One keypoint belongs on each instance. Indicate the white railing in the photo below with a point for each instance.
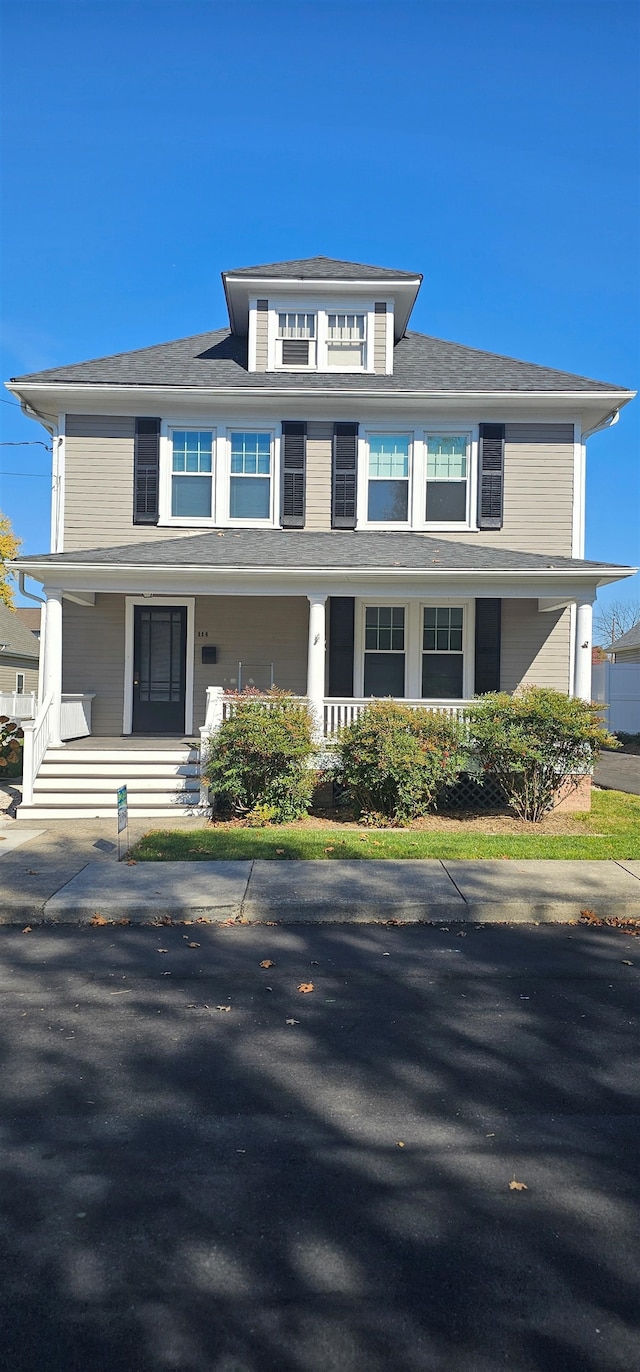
(339, 712)
(37, 737)
(18, 704)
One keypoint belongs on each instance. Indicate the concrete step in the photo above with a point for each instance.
(72, 810)
(107, 799)
(122, 756)
(115, 775)
(109, 785)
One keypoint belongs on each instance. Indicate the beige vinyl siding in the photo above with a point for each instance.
(535, 649)
(318, 495)
(250, 629)
(93, 658)
(98, 485)
(8, 672)
(380, 343)
(538, 491)
(262, 340)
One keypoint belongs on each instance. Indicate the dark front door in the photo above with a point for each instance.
(159, 660)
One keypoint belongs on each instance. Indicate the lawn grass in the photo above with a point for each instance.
(610, 830)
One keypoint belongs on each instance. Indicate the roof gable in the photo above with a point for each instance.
(19, 639)
(322, 269)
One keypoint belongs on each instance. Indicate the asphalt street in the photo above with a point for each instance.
(206, 1169)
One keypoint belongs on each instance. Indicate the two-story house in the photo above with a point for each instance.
(314, 497)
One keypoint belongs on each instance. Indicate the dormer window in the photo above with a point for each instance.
(345, 341)
(296, 341)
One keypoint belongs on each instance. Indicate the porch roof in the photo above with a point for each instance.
(292, 550)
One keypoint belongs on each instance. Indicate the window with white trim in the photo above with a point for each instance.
(442, 652)
(20, 680)
(447, 478)
(191, 473)
(250, 476)
(296, 339)
(388, 479)
(384, 650)
(345, 341)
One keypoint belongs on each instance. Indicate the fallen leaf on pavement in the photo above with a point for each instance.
(462, 933)
(97, 920)
(163, 950)
(306, 986)
(223, 1007)
(267, 963)
(193, 945)
(517, 1185)
(131, 862)
(626, 963)
(271, 923)
(27, 929)
(399, 1144)
(31, 873)
(292, 1021)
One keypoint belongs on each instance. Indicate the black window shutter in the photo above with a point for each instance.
(294, 454)
(146, 471)
(488, 622)
(341, 628)
(345, 476)
(491, 476)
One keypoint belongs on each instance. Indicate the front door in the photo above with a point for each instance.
(159, 663)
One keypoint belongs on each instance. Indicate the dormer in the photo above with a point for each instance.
(320, 315)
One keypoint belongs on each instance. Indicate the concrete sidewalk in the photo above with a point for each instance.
(67, 874)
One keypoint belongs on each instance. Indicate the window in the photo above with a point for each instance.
(296, 339)
(345, 341)
(384, 659)
(447, 469)
(442, 652)
(192, 465)
(250, 480)
(388, 493)
(20, 683)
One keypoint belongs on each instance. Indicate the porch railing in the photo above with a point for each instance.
(37, 737)
(337, 710)
(18, 704)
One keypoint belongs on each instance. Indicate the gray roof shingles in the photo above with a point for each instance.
(218, 361)
(323, 269)
(629, 640)
(271, 548)
(19, 639)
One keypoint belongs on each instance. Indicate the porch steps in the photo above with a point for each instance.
(81, 783)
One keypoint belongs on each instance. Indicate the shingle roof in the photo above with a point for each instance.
(20, 640)
(298, 549)
(218, 360)
(629, 640)
(29, 617)
(323, 269)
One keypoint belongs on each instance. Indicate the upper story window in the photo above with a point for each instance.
(250, 476)
(296, 341)
(191, 479)
(447, 471)
(388, 479)
(345, 341)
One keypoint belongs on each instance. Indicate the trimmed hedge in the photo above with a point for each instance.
(258, 764)
(395, 760)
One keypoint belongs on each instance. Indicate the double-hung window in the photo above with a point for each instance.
(442, 652)
(388, 479)
(191, 473)
(447, 478)
(384, 650)
(20, 678)
(250, 476)
(345, 341)
(296, 340)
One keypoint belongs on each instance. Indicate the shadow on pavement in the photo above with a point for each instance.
(208, 1190)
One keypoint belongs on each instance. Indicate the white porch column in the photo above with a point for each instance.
(52, 683)
(584, 631)
(316, 661)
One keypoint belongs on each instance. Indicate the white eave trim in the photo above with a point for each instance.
(51, 569)
(237, 393)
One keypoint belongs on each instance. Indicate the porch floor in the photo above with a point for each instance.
(133, 741)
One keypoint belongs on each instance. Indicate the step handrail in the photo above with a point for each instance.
(37, 737)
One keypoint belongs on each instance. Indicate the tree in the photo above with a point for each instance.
(9, 545)
(613, 619)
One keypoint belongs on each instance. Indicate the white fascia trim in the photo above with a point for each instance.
(237, 394)
(130, 601)
(54, 574)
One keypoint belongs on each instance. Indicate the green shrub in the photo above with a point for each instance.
(258, 762)
(533, 741)
(11, 737)
(394, 760)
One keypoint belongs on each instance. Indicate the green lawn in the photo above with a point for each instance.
(611, 830)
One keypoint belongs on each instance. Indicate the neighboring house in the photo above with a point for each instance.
(316, 498)
(19, 651)
(30, 618)
(626, 649)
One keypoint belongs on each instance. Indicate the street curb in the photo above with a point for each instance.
(476, 912)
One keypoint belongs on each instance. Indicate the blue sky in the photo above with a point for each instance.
(150, 145)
